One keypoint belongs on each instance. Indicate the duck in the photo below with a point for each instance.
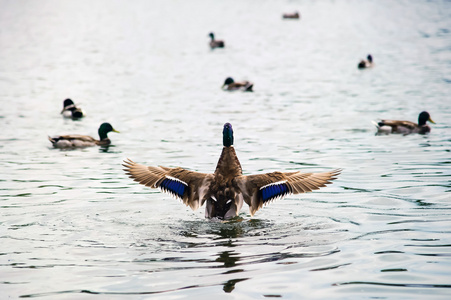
(366, 63)
(294, 15)
(225, 191)
(231, 85)
(70, 110)
(81, 141)
(405, 127)
(215, 43)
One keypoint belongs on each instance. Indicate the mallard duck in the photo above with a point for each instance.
(366, 63)
(231, 85)
(70, 110)
(405, 127)
(80, 141)
(215, 43)
(294, 15)
(227, 188)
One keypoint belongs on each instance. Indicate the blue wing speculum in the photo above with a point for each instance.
(174, 186)
(274, 190)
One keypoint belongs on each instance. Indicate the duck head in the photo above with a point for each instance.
(229, 80)
(227, 135)
(104, 129)
(68, 104)
(370, 58)
(211, 34)
(423, 118)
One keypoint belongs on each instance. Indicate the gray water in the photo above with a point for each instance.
(74, 226)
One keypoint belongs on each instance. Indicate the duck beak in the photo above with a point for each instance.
(430, 120)
(114, 130)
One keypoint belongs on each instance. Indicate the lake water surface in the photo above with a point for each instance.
(74, 226)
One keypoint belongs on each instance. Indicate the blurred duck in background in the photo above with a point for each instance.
(294, 15)
(404, 127)
(70, 110)
(366, 63)
(231, 85)
(81, 141)
(215, 43)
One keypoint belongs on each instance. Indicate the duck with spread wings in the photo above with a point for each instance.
(227, 188)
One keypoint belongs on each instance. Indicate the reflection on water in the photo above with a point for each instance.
(229, 286)
(104, 148)
(228, 258)
(73, 224)
(237, 227)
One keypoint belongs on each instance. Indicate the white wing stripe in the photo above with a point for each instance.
(274, 183)
(176, 179)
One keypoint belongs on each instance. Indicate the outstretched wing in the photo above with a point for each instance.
(259, 190)
(190, 187)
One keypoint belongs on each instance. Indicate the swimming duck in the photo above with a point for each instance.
(227, 188)
(70, 110)
(231, 85)
(405, 127)
(294, 15)
(215, 43)
(366, 63)
(81, 141)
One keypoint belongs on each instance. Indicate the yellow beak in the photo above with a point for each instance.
(430, 120)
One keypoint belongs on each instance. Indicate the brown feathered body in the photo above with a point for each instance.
(215, 43)
(294, 15)
(77, 141)
(240, 85)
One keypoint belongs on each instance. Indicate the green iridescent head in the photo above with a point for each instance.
(104, 129)
(227, 135)
(423, 118)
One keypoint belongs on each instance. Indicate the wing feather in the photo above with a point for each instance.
(257, 190)
(84, 138)
(188, 186)
(396, 123)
